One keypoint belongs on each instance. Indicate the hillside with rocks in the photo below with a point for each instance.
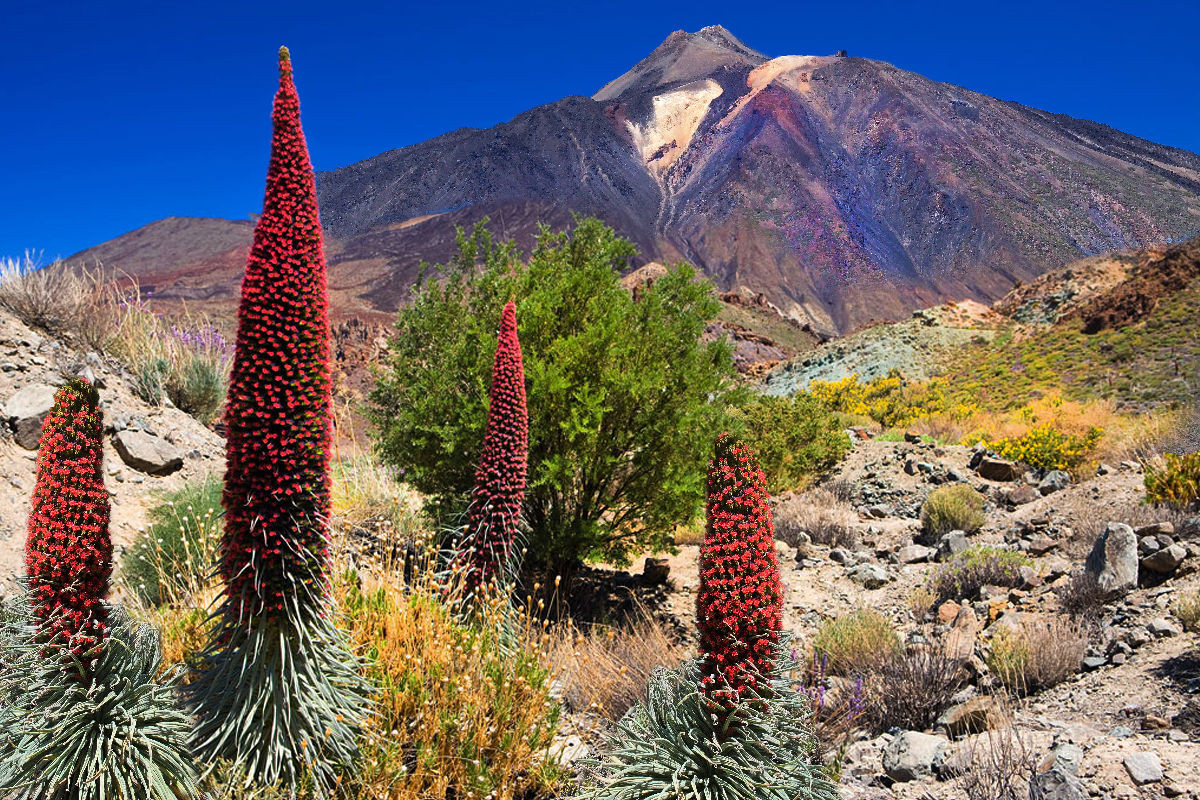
(1125, 724)
(148, 450)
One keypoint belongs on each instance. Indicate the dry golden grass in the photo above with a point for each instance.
(604, 670)
(818, 513)
(461, 710)
(1038, 655)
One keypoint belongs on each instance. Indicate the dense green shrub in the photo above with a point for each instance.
(795, 438)
(956, 507)
(624, 399)
(177, 551)
(1177, 483)
(964, 575)
(198, 388)
(858, 642)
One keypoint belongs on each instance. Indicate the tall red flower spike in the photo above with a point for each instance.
(68, 552)
(500, 480)
(277, 482)
(739, 602)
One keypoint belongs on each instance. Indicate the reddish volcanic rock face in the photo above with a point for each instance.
(844, 189)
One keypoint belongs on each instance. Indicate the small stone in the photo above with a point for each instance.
(1094, 662)
(840, 555)
(951, 545)
(655, 571)
(1147, 544)
(1041, 544)
(1156, 528)
(997, 469)
(871, 576)
(974, 716)
(1023, 495)
(1054, 481)
(1144, 767)
(914, 553)
(1150, 722)
(1162, 628)
(912, 756)
(1121, 732)
(879, 511)
(947, 611)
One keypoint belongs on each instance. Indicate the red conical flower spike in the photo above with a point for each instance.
(739, 601)
(277, 482)
(68, 552)
(500, 480)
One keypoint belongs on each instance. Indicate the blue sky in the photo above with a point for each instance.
(115, 114)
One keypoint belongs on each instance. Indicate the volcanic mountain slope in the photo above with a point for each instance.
(843, 189)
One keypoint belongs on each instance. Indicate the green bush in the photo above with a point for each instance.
(965, 574)
(624, 398)
(795, 438)
(1176, 484)
(175, 555)
(150, 380)
(198, 388)
(856, 643)
(956, 507)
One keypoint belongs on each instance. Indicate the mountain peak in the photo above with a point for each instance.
(683, 57)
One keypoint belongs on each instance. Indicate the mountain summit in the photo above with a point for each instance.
(843, 189)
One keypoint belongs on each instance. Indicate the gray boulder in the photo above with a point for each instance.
(1054, 481)
(1144, 767)
(1057, 784)
(912, 756)
(147, 453)
(1114, 559)
(25, 411)
(951, 545)
(871, 576)
(1165, 561)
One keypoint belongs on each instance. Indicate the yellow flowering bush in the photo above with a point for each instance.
(891, 400)
(1176, 484)
(1046, 447)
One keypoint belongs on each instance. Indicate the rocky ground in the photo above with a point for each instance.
(147, 449)
(1126, 725)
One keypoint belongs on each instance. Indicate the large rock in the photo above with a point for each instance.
(1144, 767)
(1114, 559)
(974, 716)
(871, 576)
(997, 469)
(1054, 481)
(147, 453)
(25, 411)
(1165, 561)
(1057, 784)
(912, 756)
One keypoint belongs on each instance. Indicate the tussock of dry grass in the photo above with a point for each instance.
(604, 670)
(57, 299)
(1038, 655)
(819, 514)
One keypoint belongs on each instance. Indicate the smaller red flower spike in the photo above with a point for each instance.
(68, 552)
(499, 489)
(739, 602)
